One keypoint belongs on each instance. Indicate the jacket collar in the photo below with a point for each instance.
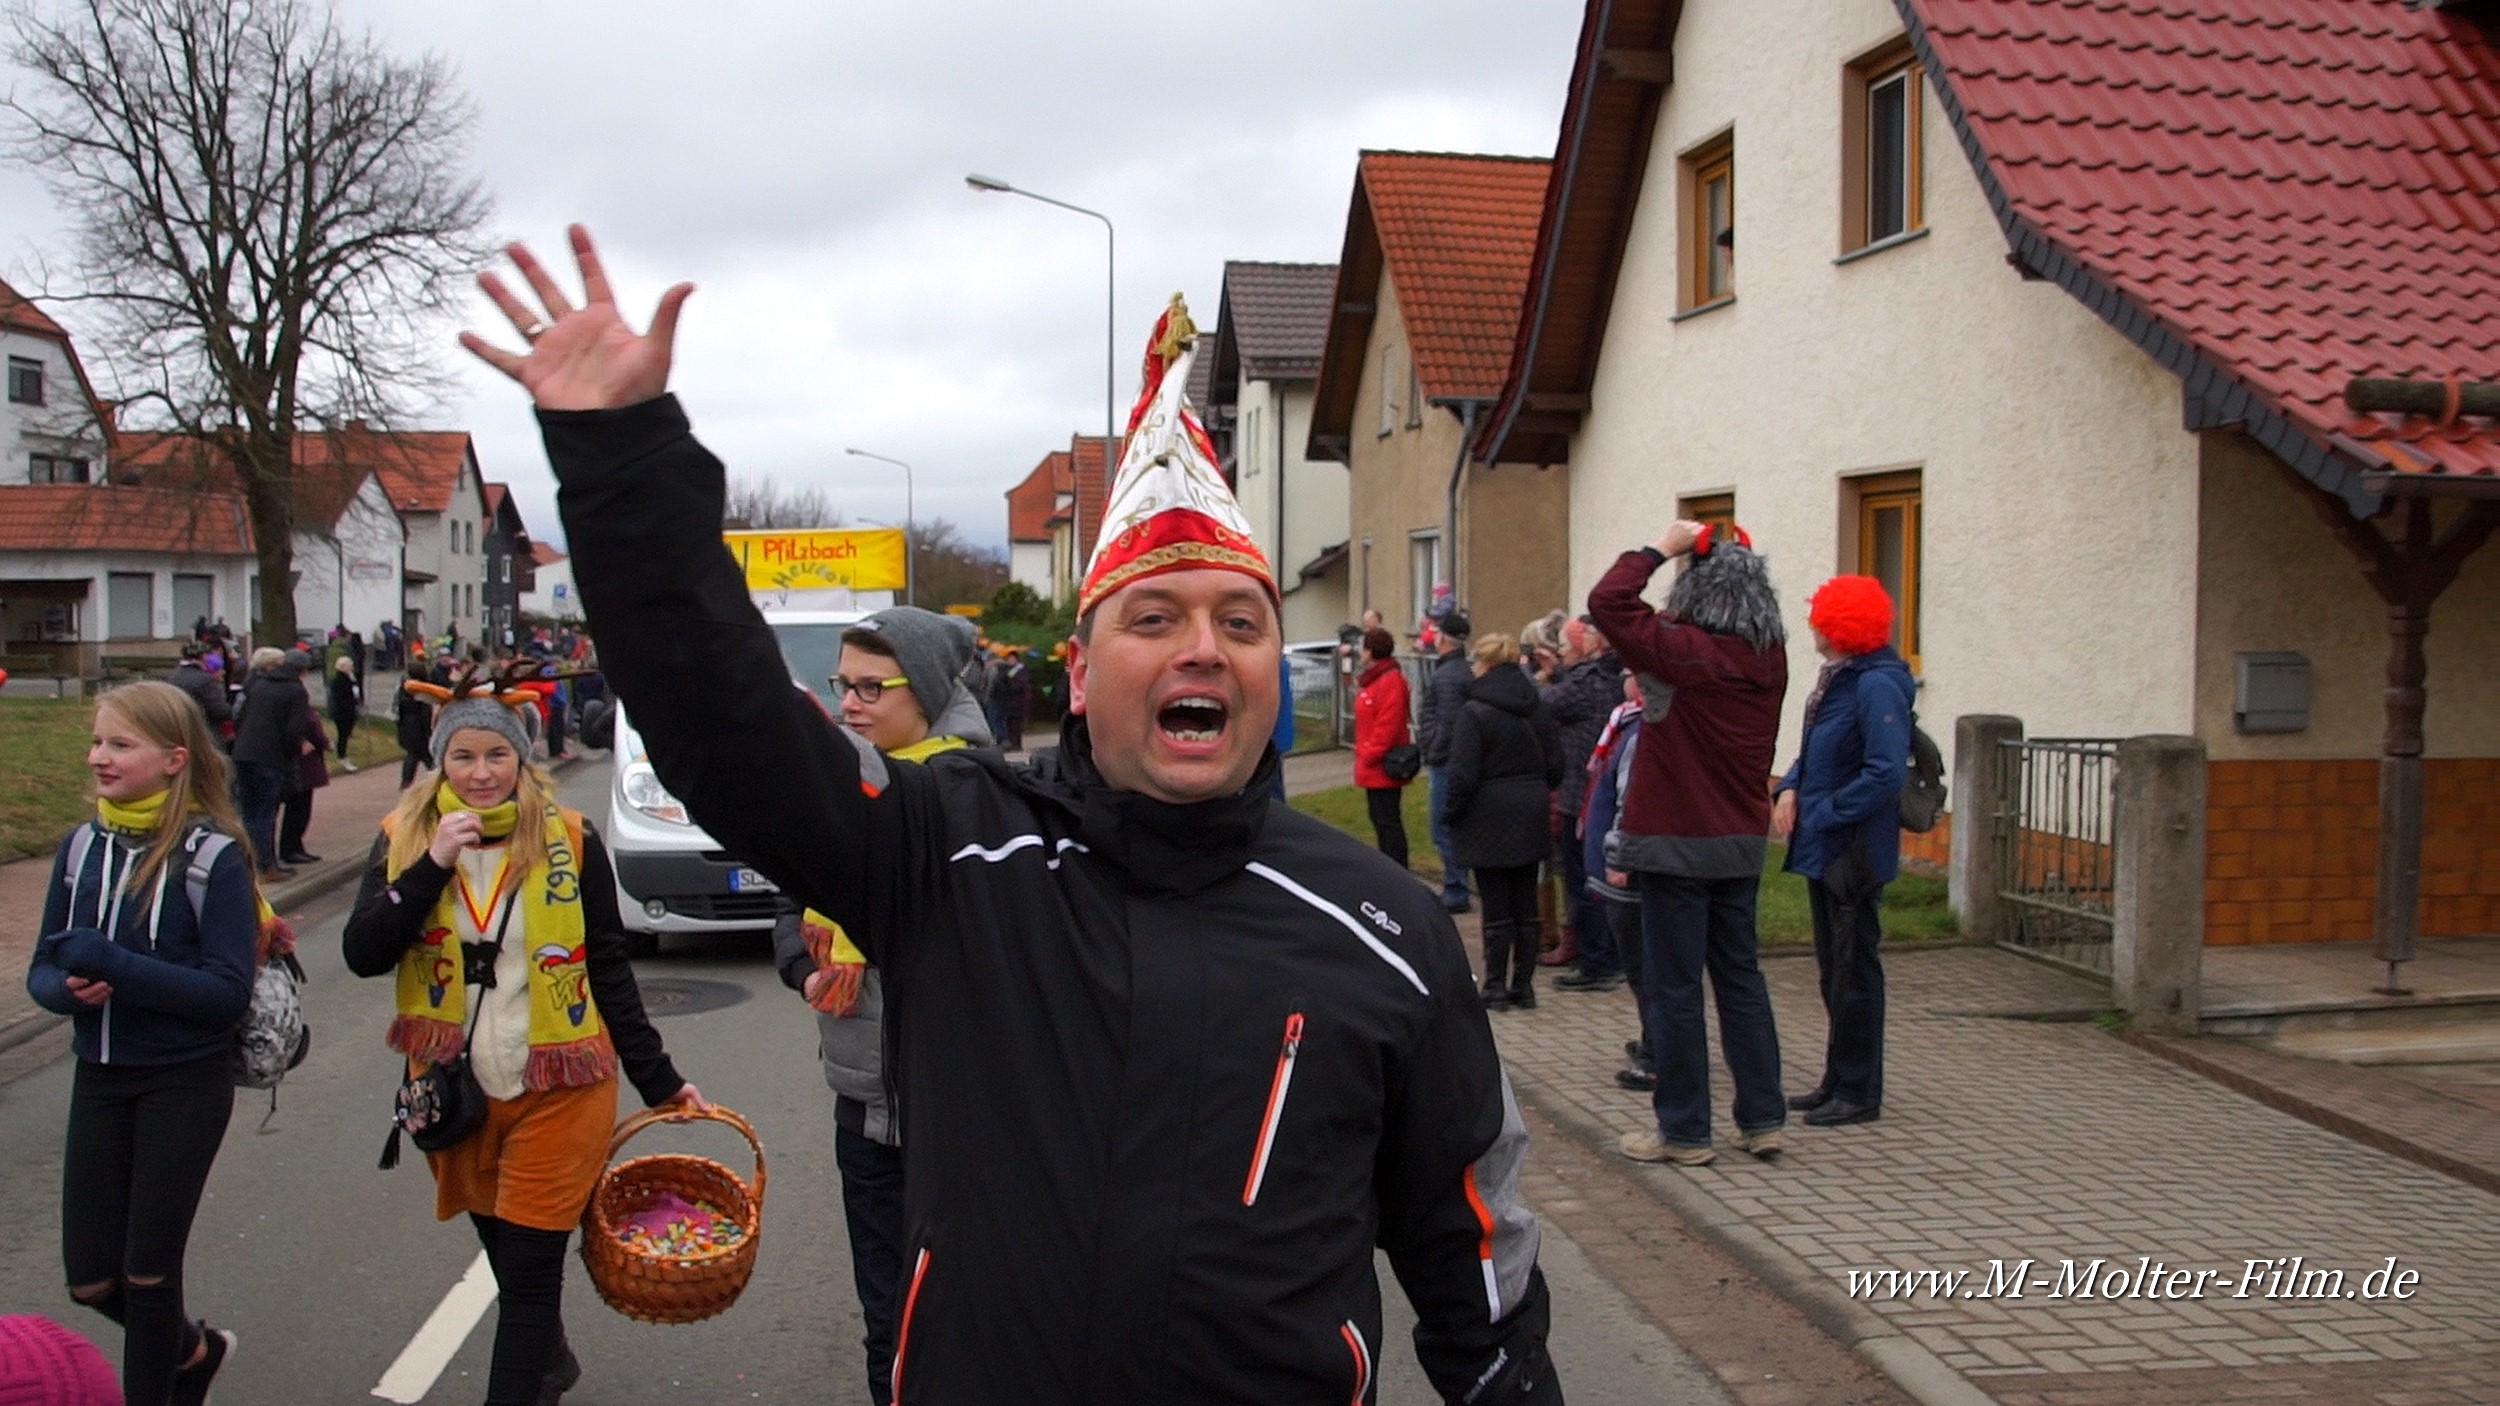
(1161, 847)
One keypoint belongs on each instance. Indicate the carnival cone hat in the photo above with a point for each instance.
(1170, 509)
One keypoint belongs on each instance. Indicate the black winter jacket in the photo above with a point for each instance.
(276, 720)
(1444, 690)
(1505, 760)
(1581, 700)
(389, 916)
(204, 687)
(1171, 1072)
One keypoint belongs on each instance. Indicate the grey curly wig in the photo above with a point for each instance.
(1729, 592)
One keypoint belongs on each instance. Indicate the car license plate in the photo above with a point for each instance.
(744, 880)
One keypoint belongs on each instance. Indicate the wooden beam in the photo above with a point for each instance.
(1355, 307)
(1652, 66)
(1562, 402)
(2421, 397)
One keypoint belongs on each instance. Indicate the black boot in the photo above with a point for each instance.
(563, 1374)
(1523, 971)
(1497, 944)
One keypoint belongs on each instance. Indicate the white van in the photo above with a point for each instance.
(670, 876)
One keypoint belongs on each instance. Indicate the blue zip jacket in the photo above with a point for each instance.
(182, 982)
(1849, 771)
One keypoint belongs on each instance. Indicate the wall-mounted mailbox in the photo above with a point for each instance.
(2272, 692)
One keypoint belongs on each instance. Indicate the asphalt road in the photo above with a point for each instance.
(329, 1268)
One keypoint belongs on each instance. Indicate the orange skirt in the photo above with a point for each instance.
(535, 1160)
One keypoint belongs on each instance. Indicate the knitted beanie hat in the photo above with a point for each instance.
(931, 649)
(478, 711)
(45, 1364)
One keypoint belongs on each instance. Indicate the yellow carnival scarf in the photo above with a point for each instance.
(828, 944)
(569, 1046)
(138, 819)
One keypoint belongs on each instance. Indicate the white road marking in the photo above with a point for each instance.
(431, 1350)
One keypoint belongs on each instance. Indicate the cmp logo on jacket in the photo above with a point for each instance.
(568, 976)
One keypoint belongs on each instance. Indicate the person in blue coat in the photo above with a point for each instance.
(1839, 809)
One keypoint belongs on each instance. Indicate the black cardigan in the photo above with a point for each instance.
(390, 916)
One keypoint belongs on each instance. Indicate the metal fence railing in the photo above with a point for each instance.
(2057, 831)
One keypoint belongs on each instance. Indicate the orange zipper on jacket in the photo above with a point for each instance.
(902, 1329)
(1276, 1091)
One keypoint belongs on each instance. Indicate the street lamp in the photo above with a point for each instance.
(911, 594)
(992, 185)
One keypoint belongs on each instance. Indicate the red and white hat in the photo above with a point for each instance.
(1170, 509)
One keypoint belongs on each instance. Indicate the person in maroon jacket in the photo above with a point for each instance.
(1693, 830)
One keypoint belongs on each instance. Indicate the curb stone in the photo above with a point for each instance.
(1906, 1362)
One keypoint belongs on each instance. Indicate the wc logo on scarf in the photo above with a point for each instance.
(568, 977)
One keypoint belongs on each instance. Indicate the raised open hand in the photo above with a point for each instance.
(582, 358)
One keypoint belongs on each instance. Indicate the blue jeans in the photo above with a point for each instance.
(1453, 876)
(1590, 934)
(259, 789)
(1848, 948)
(1688, 926)
(872, 1208)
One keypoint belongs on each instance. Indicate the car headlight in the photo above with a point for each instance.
(644, 793)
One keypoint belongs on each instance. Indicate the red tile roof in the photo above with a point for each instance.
(1032, 503)
(2269, 199)
(1457, 233)
(18, 313)
(324, 486)
(545, 553)
(78, 517)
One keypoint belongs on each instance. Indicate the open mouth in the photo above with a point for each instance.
(1192, 720)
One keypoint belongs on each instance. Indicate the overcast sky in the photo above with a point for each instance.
(803, 165)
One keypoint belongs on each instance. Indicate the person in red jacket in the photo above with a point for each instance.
(1381, 709)
(1693, 831)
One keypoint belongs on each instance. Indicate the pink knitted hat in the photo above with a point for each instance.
(45, 1364)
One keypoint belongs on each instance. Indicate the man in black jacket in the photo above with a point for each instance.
(1445, 692)
(273, 726)
(1581, 700)
(1173, 1058)
(194, 678)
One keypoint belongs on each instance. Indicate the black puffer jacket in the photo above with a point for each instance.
(205, 688)
(1505, 760)
(276, 719)
(1445, 688)
(1581, 700)
(1171, 1072)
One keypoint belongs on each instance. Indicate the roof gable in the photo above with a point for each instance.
(325, 487)
(1454, 234)
(1271, 326)
(78, 517)
(19, 314)
(1032, 503)
(2270, 202)
(1619, 79)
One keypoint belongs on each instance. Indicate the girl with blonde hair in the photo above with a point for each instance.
(152, 932)
(495, 908)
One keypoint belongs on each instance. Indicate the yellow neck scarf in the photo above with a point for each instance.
(569, 1045)
(139, 817)
(828, 944)
(495, 821)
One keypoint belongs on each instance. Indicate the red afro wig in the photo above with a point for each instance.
(1853, 612)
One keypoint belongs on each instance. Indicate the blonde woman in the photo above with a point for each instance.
(152, 929)
(496, 910)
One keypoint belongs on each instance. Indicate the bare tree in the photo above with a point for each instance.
(952, 571)
(270, 215)
(768, 505)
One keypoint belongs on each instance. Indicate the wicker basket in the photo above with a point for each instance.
(671, 1289)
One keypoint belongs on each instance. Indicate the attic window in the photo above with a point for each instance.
(25, 381)
(55, 468)
(1710, 223)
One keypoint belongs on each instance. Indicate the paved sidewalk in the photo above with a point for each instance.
(2016, 1129)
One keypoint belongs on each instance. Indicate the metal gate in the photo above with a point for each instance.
(2057, 831)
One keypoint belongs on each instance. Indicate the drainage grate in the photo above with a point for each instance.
(667, 996)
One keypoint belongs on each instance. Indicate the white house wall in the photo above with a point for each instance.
(1028, 564)
(370, 540)
(64, 424)
(229, 588)
(1298, 507)
(554, 596)
(2060, 494)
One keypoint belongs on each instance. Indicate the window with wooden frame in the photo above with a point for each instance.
(1388, 389)
(1881, 150)
(1716, 511)
(1888, 537)
(1710, 223)
(1414, 395)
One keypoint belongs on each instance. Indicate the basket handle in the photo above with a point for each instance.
(678, 1113)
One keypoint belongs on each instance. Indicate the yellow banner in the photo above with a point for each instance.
(866, 560)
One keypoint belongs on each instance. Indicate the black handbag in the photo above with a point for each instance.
(443, 1105)
(1400, 763)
